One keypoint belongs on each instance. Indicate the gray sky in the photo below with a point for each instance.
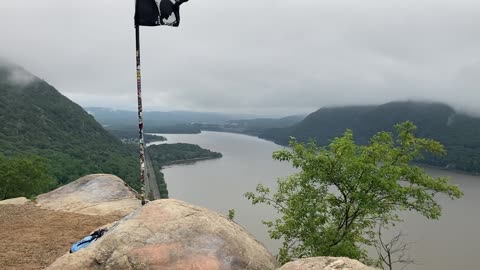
(252, 56)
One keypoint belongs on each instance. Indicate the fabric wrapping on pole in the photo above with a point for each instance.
(140, 115)
(158, 12)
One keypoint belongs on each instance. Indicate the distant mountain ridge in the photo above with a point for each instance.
(257, 126)
(123, 123)
(460, 133)
(124, 118)
(35, 119)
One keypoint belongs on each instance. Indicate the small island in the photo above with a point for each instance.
(168, 154)
(130, 136)
(153, 138)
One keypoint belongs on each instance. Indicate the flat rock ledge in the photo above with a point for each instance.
(172, 235)
(325, 263)
(15, 201)
(96, 194)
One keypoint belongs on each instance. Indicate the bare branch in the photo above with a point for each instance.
(393, 251)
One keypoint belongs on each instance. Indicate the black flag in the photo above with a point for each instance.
(158, 12)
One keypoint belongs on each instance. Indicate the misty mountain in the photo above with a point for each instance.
(35, 119)
(121, 118)
(259, 125)
(459, 133)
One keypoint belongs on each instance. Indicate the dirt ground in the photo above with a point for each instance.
(32, 238)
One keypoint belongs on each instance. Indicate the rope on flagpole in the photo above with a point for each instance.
(140, 115)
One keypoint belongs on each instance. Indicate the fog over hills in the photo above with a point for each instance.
(108, 116)
(290, 59)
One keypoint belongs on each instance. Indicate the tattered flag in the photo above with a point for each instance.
(158, 12)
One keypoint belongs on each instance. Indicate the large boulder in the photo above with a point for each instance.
(172, 235)
(96, 194)
(325, 263)
(15, 201)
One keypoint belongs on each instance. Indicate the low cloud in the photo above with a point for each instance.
(267, 57)
(21, 77)
(17, 75)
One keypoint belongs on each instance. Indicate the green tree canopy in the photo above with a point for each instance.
(332, 206)
(23, 177)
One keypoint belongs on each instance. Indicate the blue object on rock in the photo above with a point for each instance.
(85, 242)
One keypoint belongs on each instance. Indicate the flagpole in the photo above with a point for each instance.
(140, 115)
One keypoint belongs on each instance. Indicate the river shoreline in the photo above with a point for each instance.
(424, 165)
(187, 161)
(415, 163)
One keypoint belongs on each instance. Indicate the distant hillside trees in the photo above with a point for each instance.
(23, 177)
(459, 133)
(344, 191)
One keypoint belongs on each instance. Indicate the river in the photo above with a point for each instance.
(446, 244)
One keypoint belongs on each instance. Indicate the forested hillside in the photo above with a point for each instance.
(459, 132)
(35, 119)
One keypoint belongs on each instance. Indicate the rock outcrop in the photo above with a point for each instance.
(168, 235)
(325, 263)
(164, 234)
(15, 201)
(96, 194)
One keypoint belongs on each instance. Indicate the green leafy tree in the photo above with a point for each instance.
(231, 214)
(23, 177)
(334, 204)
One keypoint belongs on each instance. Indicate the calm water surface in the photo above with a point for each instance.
(449, 243)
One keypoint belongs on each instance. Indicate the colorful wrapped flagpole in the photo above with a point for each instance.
(151, 13)
(140, 115)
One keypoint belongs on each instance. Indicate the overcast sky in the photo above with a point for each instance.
(253, 56)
